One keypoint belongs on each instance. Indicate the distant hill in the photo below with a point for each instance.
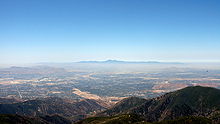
(107, 61)
(190, 101)
(127, 62)
(51, 106)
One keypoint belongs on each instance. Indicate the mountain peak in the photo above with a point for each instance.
(127, 62)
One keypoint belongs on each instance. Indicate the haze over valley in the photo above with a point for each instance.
(109, 62)
(109, 82)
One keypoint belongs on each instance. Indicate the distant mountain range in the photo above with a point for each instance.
(191, 105)
(128, 62)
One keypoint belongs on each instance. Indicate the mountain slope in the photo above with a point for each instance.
(196, 101)
(119, 119)
(134, 119)
(51, 106)
(18, 119)
(187, 120)
(199, 101)
(9, 100)
(123, 106)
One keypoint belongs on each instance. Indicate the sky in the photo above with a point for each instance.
(33, 31)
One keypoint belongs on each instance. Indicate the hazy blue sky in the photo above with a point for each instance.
(74, 30)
